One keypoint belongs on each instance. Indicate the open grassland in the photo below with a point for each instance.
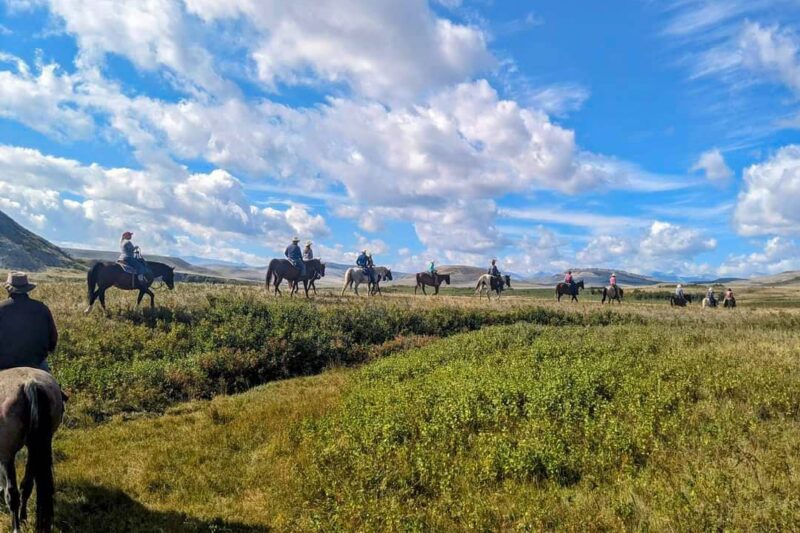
(461, 415)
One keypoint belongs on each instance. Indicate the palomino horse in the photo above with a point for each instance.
(612, 293)
(280, 269)
(32, 409)
(105, 274)
(678, 302)
(355, 276)
(425, 278)
(564, 288)
(490, 283)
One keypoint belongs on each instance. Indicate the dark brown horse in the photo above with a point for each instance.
(103, 275)
(564, 288)
(678, 302)
(425, 278)
(32, 409)
(280, 269)
(612, 293)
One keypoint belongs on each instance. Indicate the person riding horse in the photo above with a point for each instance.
(712, 300)
(730, 299)
(28, 332)
(679, 296)
(295, 256)
(433, 272)
(131, 257)
(308, 253)
(569, 280)
(493, 271)
(613, 283)
(366, 264)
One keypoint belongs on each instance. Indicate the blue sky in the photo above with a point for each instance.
(655, 137)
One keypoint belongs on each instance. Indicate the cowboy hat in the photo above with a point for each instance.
(127, 234)
(295, 239)
(17, 283)
(309, 243)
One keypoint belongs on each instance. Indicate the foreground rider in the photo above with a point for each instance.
(493, 270)
(28, 332)
(130, 255)
(308, 253)
(613, 282)
(568, 279)
(295, 256)
(729, 297)
(679, 293)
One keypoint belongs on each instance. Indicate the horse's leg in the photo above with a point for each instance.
(102, 297)
(355, 287)
(12, 493)
(152, 298)
(423, 289)
(139, 299)
(27, 488)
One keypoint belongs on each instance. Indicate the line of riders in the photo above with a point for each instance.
(132, 262)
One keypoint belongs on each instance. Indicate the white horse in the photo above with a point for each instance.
(707, 303)
(355, 276)
(489, 283)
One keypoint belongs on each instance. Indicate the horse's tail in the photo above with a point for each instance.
(270, 274)
(480, 280)
(348, 279)
(40, 453)
(91, 279)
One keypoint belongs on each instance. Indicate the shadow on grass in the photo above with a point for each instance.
(84, 507)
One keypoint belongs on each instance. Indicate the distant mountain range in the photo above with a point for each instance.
(24, 250)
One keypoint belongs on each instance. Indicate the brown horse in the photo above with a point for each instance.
(103, 275)
(611, 295)
(425, 278)
(564, 288)
(32, 409)
(280, 269)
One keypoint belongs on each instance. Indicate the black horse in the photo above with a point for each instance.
(611, 297)
(564, 288)
(678, 302)
(425, 278)
(103, 275)
(280, 269)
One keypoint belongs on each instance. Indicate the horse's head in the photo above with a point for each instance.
(445, 277)
(507, 279)
(580, 285)
(169, 278)
(388, 275)
(321, 269)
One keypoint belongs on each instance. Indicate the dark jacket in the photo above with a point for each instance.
(27, 332)
(294, 254)
(494, 271)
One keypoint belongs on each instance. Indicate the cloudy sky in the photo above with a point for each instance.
(656, 137)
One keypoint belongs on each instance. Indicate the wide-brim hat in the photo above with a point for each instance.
(17, 283)
(309, 243)
(295, 239)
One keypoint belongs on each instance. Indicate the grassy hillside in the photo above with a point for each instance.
(661, 422)
(21, 249)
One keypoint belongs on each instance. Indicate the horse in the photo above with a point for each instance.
(564, 288)
(307, 283)
(353, 277)
(618, 294)
(426, 278)
(490, 283)
(675, 301)
(32, 409)
(709, 303)
(280, 269)
(729, 302)
(381, 274)
(103, 275)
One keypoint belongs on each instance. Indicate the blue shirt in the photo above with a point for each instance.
(294, 253)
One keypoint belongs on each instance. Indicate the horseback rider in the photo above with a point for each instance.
(131, 256)
(28, 332)
(730, 300)
(613, 282)
(494, 272)
(364, 262)
(710, 295)
(679, 293)
(295, 256)
(568, 279)
(308, 253)
(433, 272)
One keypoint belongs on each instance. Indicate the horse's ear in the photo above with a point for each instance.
(172, 268)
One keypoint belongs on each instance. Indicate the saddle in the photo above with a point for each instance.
(127, 268)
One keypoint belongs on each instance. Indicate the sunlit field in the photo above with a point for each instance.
(229, 410)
